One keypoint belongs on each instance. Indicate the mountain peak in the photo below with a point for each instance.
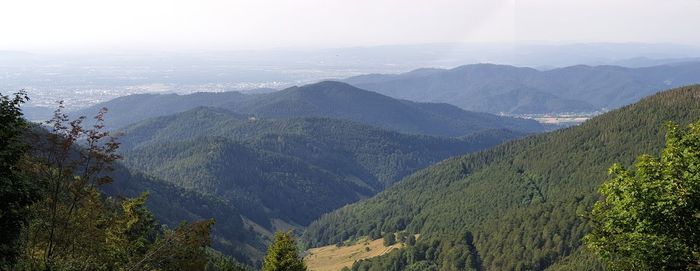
(331, 86)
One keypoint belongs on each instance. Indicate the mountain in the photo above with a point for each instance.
(638, 62)
(515, 90)
(516, 206)
(134, 108)
(171, 205)
(282, 173)
(324, 100)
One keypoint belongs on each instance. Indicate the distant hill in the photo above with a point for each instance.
(516, 206)
(134, 108)
(325, 100)
(639, 62)
(515, 90)
(280, 173)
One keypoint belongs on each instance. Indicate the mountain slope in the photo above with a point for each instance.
(325, 100)
(281, 173)
(171, 205)
(342, 101)
(514, 206)
(515, 90)
(134, 108)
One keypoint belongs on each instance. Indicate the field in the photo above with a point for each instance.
(333, 258)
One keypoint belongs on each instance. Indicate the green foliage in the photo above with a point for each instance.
(283, 255)
(289, 169)
(447, 255)
(131, 234)
(521, 200)
(70, 223)
(649, 216)
(16, 190)
(184, 248)
(411, 240)
(221, 262)
(389, 239)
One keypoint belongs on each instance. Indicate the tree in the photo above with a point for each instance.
(649, 217)
(184, 248)
(16, 192)
(411, 240)
(282, 255)
(221, 262)
(389, 239)
(74, 226)
(130, 235)
(67, 230)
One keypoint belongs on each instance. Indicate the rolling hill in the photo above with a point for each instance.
(323, 100)
(515, 90)
(516, 206)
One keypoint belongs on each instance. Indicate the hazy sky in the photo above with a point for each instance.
(233, 24)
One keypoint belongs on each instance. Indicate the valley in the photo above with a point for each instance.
(335, 164)
(359, 135)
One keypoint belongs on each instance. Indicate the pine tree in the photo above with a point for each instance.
(389, 239)
(282, 255)
(411, 240)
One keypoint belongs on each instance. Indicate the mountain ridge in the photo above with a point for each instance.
(325, 99)
(582, 88)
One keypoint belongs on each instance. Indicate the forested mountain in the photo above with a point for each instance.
(288, 170)
(172, 205)
(515, 90)
(325, 100)
(68, 206)
(516, 206)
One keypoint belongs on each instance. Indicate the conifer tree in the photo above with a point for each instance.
(389, 239)
(282, 255)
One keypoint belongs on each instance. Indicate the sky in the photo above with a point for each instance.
(27, 25)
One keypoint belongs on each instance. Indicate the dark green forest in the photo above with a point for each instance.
(518, 206)
(288, 169)
(206, 188)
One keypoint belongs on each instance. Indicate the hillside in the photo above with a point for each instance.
(515, 206)
(280, 173)
(171, 205)
(323, 100)
(334, 258)
(515, 90)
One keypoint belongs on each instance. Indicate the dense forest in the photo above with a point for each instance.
(518, 206)
(288, 170)
(205, 189)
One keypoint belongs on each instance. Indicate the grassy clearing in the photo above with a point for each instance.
(334, 258)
